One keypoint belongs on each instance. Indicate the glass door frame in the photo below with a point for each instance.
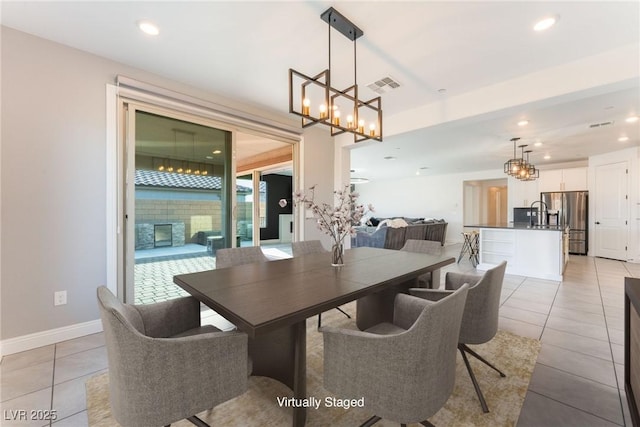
(126, 244)
(256, 175)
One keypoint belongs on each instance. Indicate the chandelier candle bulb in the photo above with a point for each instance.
(336, 117)
(305, 106)
(349, 121)
(361, 126)
(372, 129)
(323, 111)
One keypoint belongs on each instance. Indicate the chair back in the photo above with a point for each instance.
(436, 333)
(422, 246)
(307, 247)
(229, 257)
(480, 320)
(416, 376)
(123, 331)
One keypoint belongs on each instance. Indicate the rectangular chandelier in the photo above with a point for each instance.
(316, 101)
(520, 168)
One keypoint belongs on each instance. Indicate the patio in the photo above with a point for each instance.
(154, 268)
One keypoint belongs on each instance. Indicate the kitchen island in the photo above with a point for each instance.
(534, 251)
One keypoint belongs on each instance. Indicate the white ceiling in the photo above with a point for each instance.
(243, 50)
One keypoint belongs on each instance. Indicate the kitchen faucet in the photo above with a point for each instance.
(543, 213)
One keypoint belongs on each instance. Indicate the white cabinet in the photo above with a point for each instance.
(528, 252)
(521, 193)
(497, 245)
(572, 179)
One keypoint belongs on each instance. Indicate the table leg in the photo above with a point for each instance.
(300, 372)
(282, 355)
(378, 307)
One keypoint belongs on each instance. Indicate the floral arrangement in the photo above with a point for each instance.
(337, 220)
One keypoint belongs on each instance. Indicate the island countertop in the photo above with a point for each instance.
(517, 226)
(539, 252)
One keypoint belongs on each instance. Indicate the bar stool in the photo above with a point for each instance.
(470, 246)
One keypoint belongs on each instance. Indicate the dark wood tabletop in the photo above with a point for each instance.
(261, 297)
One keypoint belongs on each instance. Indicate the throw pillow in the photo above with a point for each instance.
(397, 223)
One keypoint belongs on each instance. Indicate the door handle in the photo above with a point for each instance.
(597, 222)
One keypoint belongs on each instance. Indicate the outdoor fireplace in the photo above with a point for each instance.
(162, 235)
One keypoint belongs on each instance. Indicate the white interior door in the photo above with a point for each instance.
(611, 210)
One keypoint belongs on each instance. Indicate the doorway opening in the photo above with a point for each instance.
(264, 172)
(485, 202)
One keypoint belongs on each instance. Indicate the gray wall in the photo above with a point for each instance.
(52, 178)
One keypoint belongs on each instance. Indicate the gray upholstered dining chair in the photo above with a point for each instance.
(229, 257)
(307, 247)
(312, 247)
(480, 320)
(405, 370)
(164, 366)
(429, 280)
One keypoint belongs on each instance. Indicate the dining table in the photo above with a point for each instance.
(270, 301)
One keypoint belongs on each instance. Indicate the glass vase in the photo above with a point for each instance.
(337, 254)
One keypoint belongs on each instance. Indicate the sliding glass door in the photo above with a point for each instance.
(179, 194)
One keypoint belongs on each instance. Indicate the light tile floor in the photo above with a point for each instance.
(577, 380)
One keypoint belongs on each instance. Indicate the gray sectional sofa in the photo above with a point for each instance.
(395, 238)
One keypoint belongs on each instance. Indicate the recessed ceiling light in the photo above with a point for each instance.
(389, 158)
(623, 139)
(631, 119)
(148, 27)
(217, 151)
(523, 122)
(209, 157)
(538, 144)
(546, 157)
(545, 23)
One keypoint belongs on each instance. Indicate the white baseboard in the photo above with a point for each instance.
(52, 336)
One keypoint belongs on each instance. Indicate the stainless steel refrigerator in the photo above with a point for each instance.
(570, 208)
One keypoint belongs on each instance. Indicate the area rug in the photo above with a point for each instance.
(514, 355)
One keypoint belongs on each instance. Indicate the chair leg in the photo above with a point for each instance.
(371, 421)
(343, 312)
(485, 408)
(197, 421)
(482, 359)
(426, 423)
(319, 320)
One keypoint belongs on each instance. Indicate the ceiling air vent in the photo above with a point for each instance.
(599, 125)
(384, 85)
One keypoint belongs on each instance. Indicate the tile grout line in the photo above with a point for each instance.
(53, 380)
(549, 313)
(609, 336)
